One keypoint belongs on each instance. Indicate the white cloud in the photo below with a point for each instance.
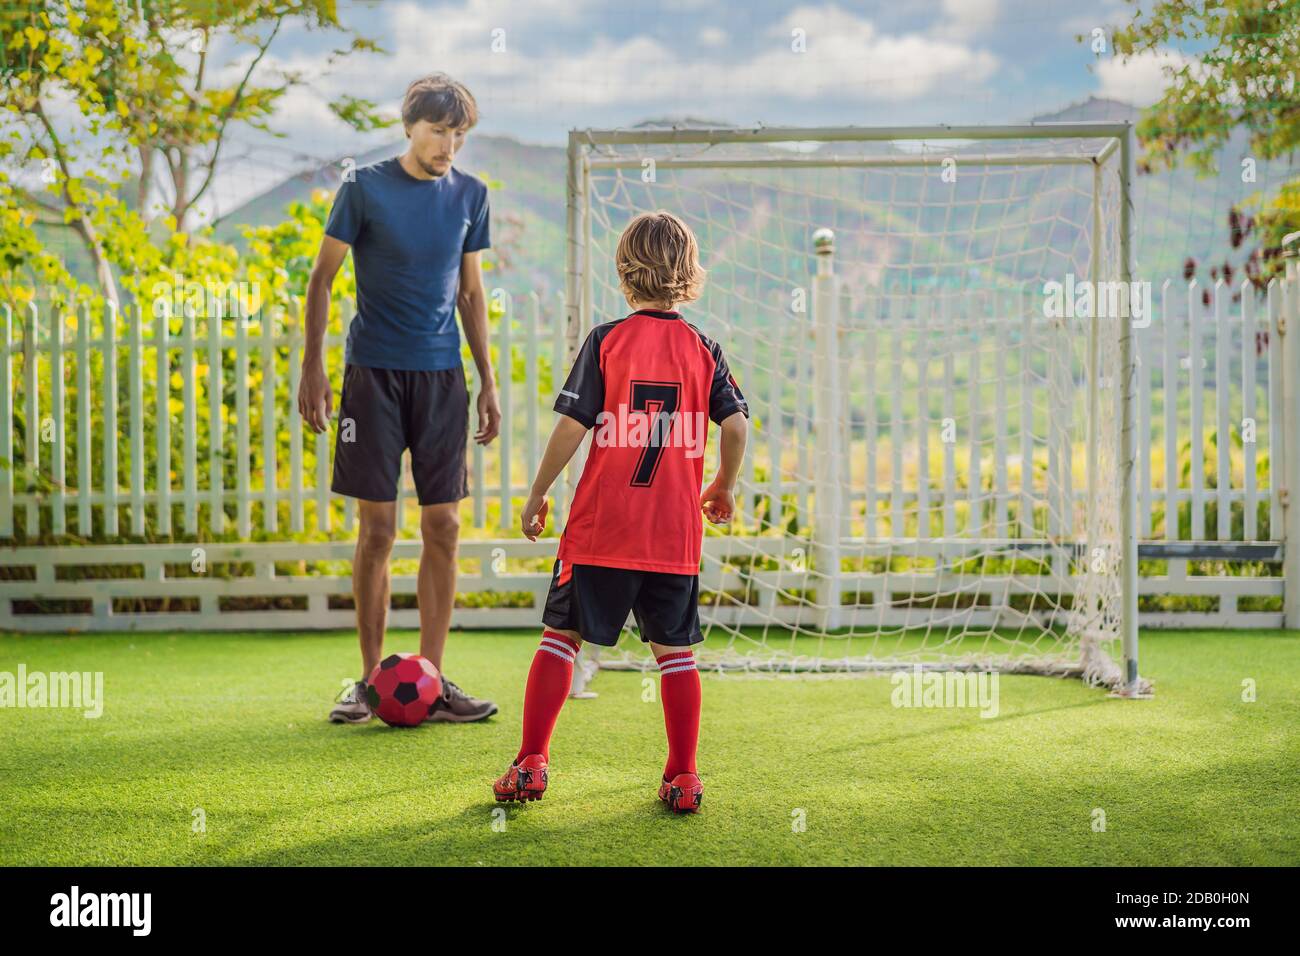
(847, 57)
(485, 14)
(713, 36)
(962, 19)
(556, 68)
(1139, 80)
(1104, 15)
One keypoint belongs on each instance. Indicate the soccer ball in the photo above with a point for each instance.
(402, 689)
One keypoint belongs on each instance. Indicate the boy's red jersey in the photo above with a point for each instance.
(648, 385)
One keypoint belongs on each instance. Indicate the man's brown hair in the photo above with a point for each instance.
(439, 99)
(658, 259)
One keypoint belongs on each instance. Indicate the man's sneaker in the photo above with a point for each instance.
(683, 794)
(350, 706)
(525, 780)
(458, 707)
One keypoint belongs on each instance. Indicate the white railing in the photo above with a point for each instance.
(263, 474)
(227, 466)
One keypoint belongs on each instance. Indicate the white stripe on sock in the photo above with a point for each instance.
(672, 662)
(676, 667)
(560, 654)
(557, 643)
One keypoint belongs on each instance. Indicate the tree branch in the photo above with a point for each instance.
(230, 109)
(82, 224)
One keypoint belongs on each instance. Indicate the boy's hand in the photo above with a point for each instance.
(718, 504)
(533, 520)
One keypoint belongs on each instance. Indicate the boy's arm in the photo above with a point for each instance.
(718, 502)
(579, 403)
(727, 407)
(564, 441)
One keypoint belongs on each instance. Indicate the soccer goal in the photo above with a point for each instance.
(933, 329)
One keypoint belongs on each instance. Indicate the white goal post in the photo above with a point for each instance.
(941, 470)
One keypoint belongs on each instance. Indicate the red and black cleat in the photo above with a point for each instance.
(525, 780)
(683, 794)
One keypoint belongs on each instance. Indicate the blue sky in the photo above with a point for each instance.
(566, 63)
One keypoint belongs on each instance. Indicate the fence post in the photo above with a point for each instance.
(1288, 326)
(110, 419)
(135, 385)
(827, 436)
(6, 423)
(505, 389)
(32, 404)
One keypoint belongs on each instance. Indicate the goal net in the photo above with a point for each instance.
(929, 328)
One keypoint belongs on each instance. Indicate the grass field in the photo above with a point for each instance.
(234, 725)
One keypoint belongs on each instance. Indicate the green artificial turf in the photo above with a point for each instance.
(234, 725)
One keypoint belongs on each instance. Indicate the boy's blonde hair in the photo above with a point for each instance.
(658, 259)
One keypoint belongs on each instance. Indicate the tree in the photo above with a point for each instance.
(179, 118)
(145, 109)
(1243, 77)
(59, 56)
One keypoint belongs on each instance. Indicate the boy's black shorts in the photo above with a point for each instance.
(594, 601)
(384, 411)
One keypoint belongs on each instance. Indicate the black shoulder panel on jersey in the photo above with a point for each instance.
(583, 394)
(725, 397)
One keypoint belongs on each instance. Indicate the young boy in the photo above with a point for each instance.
(648, 384)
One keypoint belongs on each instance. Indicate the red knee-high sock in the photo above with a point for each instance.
(679, 686)
(549, 680)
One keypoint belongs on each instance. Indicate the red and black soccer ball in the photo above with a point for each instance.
(402, 689)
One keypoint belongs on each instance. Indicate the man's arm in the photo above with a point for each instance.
(315, 398)
(717, 501)
(471, 302)
(564, 441)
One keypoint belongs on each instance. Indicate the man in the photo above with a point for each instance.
(416, 228)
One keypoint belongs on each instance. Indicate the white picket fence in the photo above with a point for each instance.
(274, 490)
(108, 519)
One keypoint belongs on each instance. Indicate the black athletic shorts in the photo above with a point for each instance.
(594, 601)
(383, 412)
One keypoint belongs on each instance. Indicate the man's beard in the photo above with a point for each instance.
(431, 169)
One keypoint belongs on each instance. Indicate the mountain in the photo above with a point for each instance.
(1182, 215)
(527, 208)
(1178, 214)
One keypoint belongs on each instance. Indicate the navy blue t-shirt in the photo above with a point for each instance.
(407, 236)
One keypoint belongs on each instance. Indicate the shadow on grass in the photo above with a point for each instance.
(488, 833)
